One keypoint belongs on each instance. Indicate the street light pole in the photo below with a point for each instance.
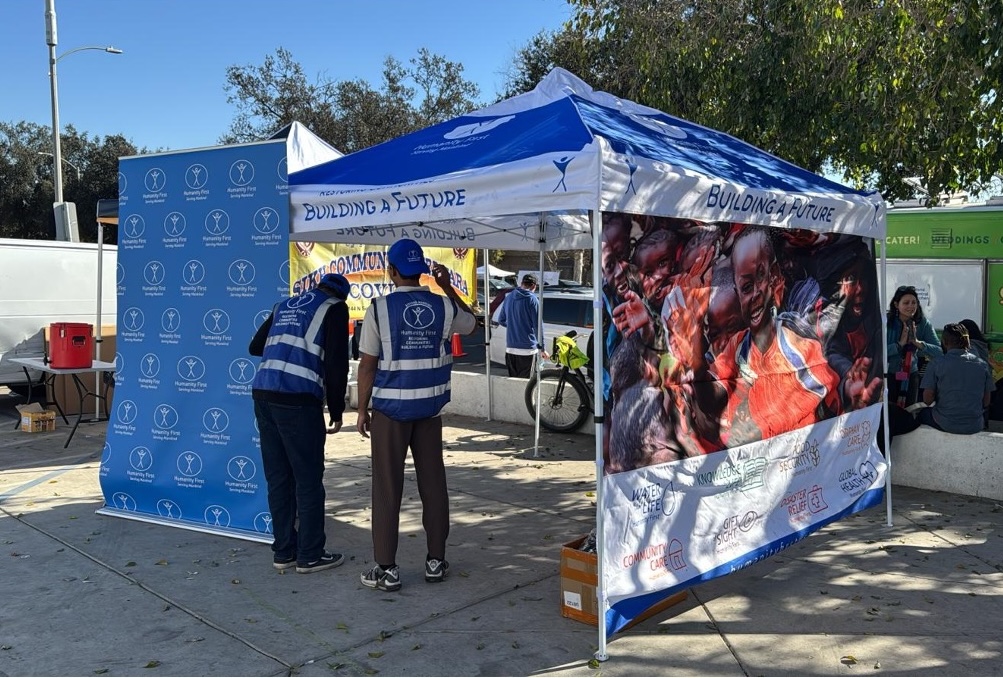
(77, 169)
(51, 39)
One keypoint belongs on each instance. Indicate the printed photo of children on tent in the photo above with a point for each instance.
(721, 334)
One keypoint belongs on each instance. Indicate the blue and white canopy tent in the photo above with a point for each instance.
(536, 172)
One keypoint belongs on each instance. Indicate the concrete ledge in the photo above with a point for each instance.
(470, 398)
(962, 464)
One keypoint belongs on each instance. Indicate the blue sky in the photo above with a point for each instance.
(166, 89)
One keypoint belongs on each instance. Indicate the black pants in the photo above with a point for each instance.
(519, 365)
(899, 422)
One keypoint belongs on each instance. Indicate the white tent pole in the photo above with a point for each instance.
(538, 359)
(884, 409)
(598, 348)
(486, 254)
(97, 327)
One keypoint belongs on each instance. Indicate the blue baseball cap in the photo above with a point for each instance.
(408, 258)
(338, 283)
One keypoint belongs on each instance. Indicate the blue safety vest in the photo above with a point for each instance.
(412, 375)
(292, 360)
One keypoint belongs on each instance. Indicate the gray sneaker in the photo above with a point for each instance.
(436, 570)
(384, 580)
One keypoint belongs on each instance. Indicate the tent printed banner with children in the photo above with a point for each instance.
(548, 170)
(744, 372)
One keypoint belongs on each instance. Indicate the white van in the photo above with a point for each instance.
(44, 282)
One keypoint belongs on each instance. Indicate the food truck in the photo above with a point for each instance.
(954, 257)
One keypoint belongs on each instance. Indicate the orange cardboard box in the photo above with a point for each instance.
(579, 584)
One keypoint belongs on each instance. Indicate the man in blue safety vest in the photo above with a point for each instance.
(405, 365)
(304, 349)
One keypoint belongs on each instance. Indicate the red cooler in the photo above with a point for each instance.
(71, 345)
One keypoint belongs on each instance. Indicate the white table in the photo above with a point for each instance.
(49, 374)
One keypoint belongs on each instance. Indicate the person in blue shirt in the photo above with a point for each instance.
(910, 336)
(520, 316)
(957, 386)
(304, 349)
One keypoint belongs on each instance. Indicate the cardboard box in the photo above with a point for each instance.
(35, 419)
(579, 583)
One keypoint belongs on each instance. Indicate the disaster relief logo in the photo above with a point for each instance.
(854, 481)
(806, 458)
(741, 476)
(804, 503)
(729, 536)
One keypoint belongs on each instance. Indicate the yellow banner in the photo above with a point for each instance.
(365, 268)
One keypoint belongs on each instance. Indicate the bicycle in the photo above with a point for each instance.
(566, 390)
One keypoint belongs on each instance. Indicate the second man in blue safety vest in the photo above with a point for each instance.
(405, 364)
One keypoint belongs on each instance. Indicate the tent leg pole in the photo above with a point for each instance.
(884, 409)
(487, 333)
(97, 327)
(598, 395)
(538, 363)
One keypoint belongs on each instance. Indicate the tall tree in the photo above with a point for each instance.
(882, 90)
(90, 172)
(348, 114)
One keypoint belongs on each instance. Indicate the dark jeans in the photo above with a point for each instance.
(292, 452)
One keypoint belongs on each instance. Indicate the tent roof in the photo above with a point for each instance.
(494, 271)
(488, 179)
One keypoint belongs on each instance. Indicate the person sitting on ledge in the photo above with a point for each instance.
(960, 383)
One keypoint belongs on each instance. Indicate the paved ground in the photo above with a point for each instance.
(89, 595)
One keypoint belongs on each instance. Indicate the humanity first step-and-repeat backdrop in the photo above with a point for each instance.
(203, 249)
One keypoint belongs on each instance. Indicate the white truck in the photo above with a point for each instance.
(44, 282)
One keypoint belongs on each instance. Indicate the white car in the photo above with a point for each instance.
(564, 309)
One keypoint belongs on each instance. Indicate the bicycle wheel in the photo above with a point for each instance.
(565, 400)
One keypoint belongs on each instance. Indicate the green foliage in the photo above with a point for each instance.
(881, 90)
(90, 172)
(348, 114)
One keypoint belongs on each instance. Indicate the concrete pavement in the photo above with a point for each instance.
(88, 595)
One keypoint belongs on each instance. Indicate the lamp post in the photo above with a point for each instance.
(51, 41)
(66, 161)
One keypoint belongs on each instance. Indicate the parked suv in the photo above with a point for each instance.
(563, 309)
